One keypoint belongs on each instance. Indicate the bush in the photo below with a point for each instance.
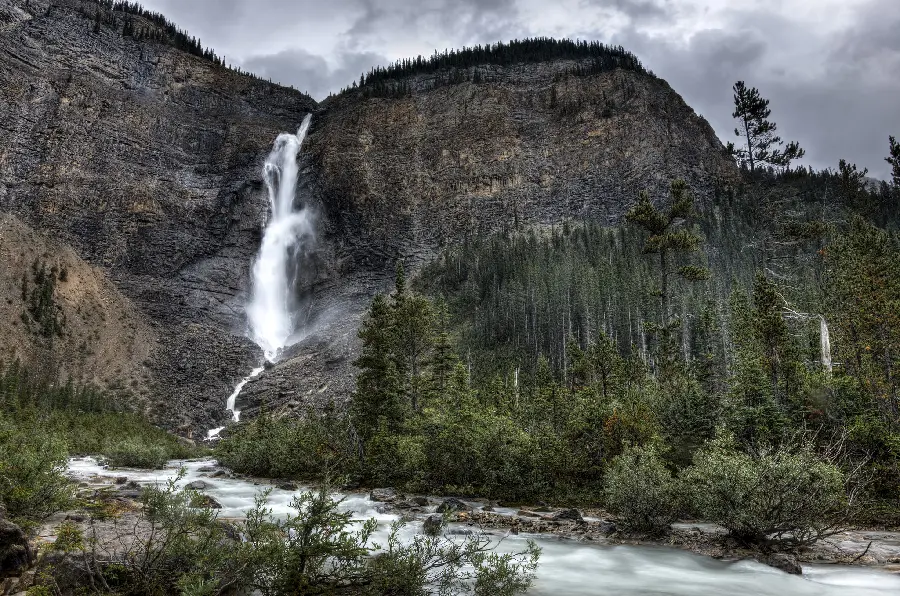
(314, 447)
(642, 491)
(32, 484)
(321, 549)
(136, 454)
(785, 496)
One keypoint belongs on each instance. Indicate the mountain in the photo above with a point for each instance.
(136, 165)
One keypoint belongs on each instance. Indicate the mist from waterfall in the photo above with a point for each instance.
(271, 312)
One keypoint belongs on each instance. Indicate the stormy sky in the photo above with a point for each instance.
(831, 68)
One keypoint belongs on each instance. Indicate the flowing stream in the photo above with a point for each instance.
(569, 567)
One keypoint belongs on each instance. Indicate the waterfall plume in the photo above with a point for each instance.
(271, 312)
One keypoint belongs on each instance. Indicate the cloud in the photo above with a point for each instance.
(312, 73)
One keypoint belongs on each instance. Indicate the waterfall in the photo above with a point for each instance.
(825, 339)
(271, 311)
(272, 308)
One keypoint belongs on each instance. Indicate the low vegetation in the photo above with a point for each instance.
(43, 422)
(319, 549)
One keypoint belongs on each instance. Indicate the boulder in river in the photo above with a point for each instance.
(197, 485)
(568, 515)
(786, 562)
(385, 495)
(205, 502)
(453, 505)
(606, 527)
(433, 524)
(288, 486)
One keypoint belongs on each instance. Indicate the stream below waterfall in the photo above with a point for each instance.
(567, 567)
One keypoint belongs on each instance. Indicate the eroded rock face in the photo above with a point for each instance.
(146, 161)
(532, 146)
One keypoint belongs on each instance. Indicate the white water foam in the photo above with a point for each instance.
(272, 308)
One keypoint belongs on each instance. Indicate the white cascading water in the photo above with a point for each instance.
(271, 311)
(825, 339)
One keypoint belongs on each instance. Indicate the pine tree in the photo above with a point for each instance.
(668, 237)
(762, 144)
(864, 282)
(854, 187)
(444, 360)
(894, 160)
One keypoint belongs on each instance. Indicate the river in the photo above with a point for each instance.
(567, 567)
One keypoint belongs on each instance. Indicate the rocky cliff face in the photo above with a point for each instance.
(535, 145)
(145, 161)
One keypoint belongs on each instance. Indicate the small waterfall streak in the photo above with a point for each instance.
(825, 339)
(271, 310)
(230, 404)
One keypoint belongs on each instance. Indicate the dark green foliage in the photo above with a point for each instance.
(642, 491)
(32, 485)
(82, 420)
(135, 453)
(668, 238)
(863, 284)
(894, 159)
(320, 549)
(786, 497)
(313, 447)
(457, 66)
(43, 314)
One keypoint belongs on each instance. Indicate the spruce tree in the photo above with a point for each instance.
(377, 395)
(762, 144)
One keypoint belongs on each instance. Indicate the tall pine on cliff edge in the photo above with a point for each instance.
(762, 144)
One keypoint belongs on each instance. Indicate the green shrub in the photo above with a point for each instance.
(642, 491)
(785, 496)
(32, 484)
(314, 447)
(136, 454)
(321, 549)
(69, 537)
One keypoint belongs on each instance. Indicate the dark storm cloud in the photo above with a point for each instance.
(311, 73)
(844, 105)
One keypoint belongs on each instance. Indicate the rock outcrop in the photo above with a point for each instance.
(145, 162)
